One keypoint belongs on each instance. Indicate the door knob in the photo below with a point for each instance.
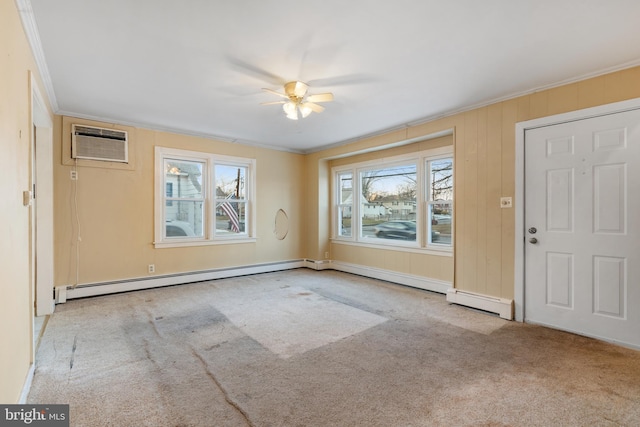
(533, 240)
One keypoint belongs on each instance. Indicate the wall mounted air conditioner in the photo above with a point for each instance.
(93, 143)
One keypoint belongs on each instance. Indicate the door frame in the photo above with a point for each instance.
(41, 216)
(521, 128)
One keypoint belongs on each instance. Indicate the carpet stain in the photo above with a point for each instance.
(73, 351)
(224, 392)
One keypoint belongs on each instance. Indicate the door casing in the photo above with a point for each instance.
(42, 207)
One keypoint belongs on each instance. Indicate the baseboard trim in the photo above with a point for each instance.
(503, 307)
(66, 292)
(318, 265)
(420, 282)
(27, 384)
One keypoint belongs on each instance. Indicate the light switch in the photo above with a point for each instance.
(506, 202)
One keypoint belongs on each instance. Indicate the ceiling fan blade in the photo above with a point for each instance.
(321, 97)
(314, 107)
(275, 93)
(254, 71)
(273, 103)
(347, 79)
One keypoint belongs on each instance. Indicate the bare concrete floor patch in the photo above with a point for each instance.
(293, 320)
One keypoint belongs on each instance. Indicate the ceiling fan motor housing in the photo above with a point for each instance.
(296, 90)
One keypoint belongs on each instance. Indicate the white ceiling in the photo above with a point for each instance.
(198, 66)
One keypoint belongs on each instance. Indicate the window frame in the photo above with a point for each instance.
(421, 244)
(209, 160)
(428, 160)
(341, 204)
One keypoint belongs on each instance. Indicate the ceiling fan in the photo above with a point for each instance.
(299, 103)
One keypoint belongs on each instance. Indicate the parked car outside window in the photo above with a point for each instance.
(402, 230)
(179, 229)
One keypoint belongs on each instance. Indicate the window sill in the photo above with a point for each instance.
(182, 243)
(445, 251)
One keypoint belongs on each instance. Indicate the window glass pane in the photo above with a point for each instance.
(345, 203)
(231, 182)
(440, 193)
(388, 203)
(441, 179)
(231, 217)
(231, 186)
(184, 218)
(345, 188)
(344, 221)
(183, 179)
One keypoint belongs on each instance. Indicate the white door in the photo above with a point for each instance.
(582, 227)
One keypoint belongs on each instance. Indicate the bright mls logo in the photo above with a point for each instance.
(34, 415)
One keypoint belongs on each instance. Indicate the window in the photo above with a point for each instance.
(184, 208)
(345, 203)
(388, 202)
(440, 200)
(231, 199)
(402, 201)
(202, 198)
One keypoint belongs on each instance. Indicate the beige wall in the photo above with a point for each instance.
(484, 141)
(15, 135)
(115, 207)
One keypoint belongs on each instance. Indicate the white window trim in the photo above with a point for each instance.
(209, 237)
(420, 245)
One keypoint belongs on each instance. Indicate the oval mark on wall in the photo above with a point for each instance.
(281, 225)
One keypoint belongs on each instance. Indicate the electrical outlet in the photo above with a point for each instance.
(326, 255)
(506, 202)
(152, 268)
(74, 175)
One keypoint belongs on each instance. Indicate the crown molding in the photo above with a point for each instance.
(33, 36)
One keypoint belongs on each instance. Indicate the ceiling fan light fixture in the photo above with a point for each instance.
(305, 111)
(298, 103)
(290, 109)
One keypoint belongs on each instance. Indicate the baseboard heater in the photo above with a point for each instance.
(65, 292)
(501, 306)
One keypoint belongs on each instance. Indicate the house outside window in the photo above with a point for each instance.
(203, 198)
(184, 208)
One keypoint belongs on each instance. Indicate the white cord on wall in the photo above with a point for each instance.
(77, 215)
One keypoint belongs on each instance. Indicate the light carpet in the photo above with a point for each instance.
(308, 348)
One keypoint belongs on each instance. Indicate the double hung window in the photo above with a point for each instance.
(202, 198)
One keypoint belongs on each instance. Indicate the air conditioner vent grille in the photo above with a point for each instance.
(92, 143)
(99, 132)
